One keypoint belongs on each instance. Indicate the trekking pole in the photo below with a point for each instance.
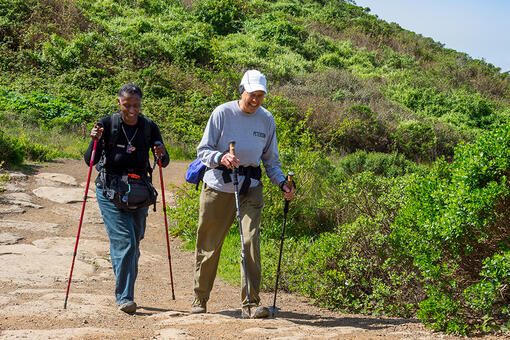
(243, 257)
(285, 211)
(166, 225)
(92, 157)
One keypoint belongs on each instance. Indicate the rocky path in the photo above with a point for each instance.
(39, 217)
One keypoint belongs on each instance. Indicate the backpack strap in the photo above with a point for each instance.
(147, 134)
(114, 130)
(147, 131)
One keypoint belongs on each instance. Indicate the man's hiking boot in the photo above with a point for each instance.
(199, 306)
(128, 307)
(259, 312)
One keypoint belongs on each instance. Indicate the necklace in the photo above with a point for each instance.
(129, 148)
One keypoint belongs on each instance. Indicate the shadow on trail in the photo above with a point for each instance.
(233, 313)
(315, 320)
(148, 311)
(27, 169)
(364, 322)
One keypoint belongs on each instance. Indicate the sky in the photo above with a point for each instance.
(480, 28)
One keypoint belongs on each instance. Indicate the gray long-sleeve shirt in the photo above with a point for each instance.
(255, 137)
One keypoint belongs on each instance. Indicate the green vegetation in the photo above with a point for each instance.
(400, 146)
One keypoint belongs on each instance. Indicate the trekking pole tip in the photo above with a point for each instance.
(273, 310)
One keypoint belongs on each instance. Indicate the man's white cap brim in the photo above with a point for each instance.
(254, 87)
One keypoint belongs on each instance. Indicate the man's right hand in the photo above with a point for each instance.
(96, 132)
(230, 161)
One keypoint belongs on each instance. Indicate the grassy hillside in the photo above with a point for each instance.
(360, 83)
(372, 118)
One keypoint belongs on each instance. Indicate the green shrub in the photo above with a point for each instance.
(490, 296)
(14, 150)
(11, 152)
(14, 14)
(459, 107)
(275, 28)
(416, 140)
(381, 164)
(453, 221)
(185, 213)
(225, 16)
(46, 109)
(352, 268)
(247, 51)
(361, 131)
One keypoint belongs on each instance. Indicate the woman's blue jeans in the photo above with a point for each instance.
(125, 230)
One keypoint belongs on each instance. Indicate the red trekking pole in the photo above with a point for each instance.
(166, 225)
(92, 157)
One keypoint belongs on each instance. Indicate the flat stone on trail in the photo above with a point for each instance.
(32, 226)
(63, 333)
(301, 332)
(88, 249)
(25, 264)
(61, 195)
(11, 209)
(19, 198)
(9, 238)
(48, 260)
(78, 305)
(11, 187)
(193, 319)
(58, 178)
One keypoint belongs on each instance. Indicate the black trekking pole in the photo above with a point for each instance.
(238, 213)
(285, 211)
(92, 157)
(166, 225)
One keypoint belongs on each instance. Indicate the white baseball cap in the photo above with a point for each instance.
(253, 80)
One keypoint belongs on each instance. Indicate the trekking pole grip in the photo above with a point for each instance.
(290, 175)
(233, 148)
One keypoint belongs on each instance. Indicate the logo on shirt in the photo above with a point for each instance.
(259, 134)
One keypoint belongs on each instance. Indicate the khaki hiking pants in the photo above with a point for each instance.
(217, 213)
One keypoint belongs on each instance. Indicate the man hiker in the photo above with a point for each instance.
(123, 185)
(253, 129)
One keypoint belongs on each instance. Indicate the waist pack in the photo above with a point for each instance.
(130, 192)
(195, 172)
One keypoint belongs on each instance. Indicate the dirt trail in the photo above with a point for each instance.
(37, 237)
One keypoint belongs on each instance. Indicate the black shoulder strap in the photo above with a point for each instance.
(147, 130)
(114, 131)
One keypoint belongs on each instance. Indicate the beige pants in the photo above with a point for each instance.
(217, 213)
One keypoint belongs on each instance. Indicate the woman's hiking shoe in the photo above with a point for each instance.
(199, 306)
(128, 307)
(259, 312)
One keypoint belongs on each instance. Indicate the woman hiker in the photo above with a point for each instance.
(124, 140)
